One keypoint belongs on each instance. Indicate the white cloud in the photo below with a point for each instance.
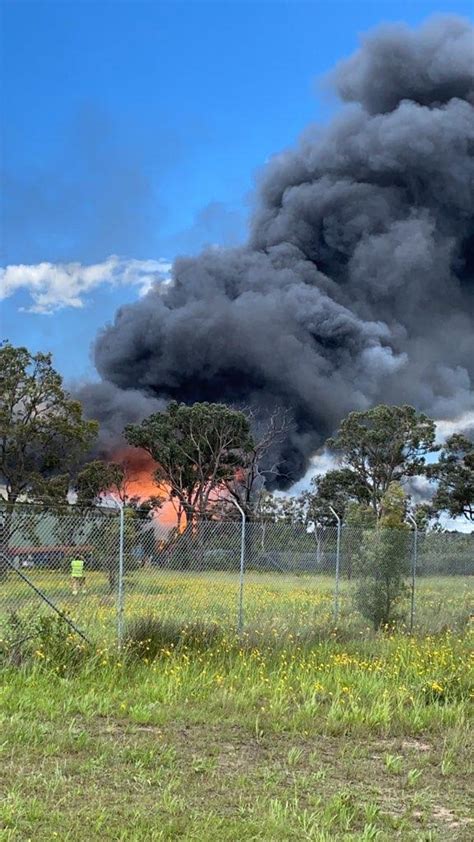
(53, 286)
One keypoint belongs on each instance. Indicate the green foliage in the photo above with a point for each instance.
(338, 490)
(15, 640)
(448, 553)
(358, 518)
(455, 475)
(393, 508)
(96, 478)
(58, 645)
(422, 514)
(360, 515)
(197, 449)
(149, 636)
(47, 639)
(42, 434)
(383, 562)
(42, 429)
(383, 445)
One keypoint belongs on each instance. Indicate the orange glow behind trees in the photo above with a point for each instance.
(140, 482)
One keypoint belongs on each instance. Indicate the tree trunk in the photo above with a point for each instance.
(184, 546)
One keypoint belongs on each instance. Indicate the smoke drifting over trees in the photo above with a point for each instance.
(356, 284)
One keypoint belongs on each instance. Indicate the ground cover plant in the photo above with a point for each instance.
(192, 733)
(281, 604)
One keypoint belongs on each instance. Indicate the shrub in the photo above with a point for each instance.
(381, 587)
(48, 640)
(146, 637)
(57, 645)
(16, 641)
(383, 563)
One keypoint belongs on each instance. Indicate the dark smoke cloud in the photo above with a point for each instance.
(356, 284)
(428, 66)
(114, 408)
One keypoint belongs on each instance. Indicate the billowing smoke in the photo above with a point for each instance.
(114, 408)
(356, 284)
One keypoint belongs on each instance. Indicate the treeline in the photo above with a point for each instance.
(210, 462)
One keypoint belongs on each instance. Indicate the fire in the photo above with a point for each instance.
(140, 468)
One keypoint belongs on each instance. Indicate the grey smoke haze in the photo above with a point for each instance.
(356, 284)
(116, 408)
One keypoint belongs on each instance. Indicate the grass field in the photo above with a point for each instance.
(283, 734)
(233, 742)
(281, 605)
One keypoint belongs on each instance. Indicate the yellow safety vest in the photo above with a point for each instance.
(77, 568)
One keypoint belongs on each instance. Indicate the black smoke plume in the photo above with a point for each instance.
(356, 283)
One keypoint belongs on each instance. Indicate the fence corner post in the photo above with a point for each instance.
(120, 591)
(338, 559)
(413, 570)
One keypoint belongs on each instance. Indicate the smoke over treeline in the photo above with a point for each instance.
(356, 284)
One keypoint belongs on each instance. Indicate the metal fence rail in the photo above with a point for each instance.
(275, 578)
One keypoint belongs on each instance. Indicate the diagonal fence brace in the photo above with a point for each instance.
(47, 601)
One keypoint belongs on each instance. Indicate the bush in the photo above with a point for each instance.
(47, 640)
(383, 562)
(383, 566)
(58, 645)
(146, 637)
(16, 641)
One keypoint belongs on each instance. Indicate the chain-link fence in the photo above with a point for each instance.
(102, 568)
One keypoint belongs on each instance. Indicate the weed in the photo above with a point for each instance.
(294, 756)
(393, 763)
(413, 776)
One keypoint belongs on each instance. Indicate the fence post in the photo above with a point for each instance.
(338, 558)
(240, 622)
(120, 592)
(413, 570)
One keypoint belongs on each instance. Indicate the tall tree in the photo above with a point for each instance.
(383, 445)
(198, 449)
(42, 437)
(42, 430)
(454, 473)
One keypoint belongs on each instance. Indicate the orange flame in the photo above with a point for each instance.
(140, 469)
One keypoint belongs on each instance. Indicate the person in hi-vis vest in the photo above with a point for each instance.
(78, 578)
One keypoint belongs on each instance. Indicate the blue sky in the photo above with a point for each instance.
(137, 129)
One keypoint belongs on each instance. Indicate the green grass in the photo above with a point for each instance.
(296, 730)
(275, 604)
(239, 740)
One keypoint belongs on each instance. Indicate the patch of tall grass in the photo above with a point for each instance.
(389, 684)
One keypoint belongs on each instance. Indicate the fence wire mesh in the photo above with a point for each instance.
(278, 578)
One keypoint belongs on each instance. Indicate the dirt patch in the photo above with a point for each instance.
(448, 817)
(415, 745)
